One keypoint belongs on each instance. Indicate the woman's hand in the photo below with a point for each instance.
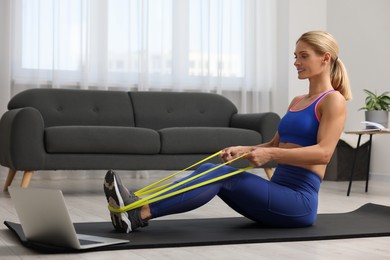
(233, 152)
(259, 156)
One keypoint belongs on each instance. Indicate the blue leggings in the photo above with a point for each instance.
(290, 199)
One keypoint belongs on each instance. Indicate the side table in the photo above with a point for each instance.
(360, 133)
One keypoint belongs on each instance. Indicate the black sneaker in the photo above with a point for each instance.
(119, 196)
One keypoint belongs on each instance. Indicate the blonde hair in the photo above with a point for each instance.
(323, 42)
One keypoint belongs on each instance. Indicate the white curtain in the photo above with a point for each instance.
(222, 46)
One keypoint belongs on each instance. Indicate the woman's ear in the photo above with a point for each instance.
(327, 57)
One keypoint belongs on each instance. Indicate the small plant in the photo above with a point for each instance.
(376, 102)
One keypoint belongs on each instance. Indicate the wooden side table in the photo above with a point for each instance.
(360, 133)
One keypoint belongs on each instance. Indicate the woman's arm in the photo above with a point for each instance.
(332, 112)
(230, 153)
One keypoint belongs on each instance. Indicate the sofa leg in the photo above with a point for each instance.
(269, 172)
(10, 178)
(26, 179)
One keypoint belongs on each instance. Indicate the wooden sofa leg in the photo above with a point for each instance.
(269, 172)
(10, 178)
(26, 179)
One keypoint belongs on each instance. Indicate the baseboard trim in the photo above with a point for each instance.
(379, 176)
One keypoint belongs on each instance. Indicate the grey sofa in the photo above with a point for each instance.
(67, 129)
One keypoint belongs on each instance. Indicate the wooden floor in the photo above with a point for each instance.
(86, 203)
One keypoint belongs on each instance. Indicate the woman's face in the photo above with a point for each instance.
(308, 63)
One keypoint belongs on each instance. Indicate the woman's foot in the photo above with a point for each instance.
(117, 197)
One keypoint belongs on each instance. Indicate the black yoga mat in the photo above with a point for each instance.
(370, 220)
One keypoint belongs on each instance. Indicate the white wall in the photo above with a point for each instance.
(362, 28)
(294, 18)
(5, 78)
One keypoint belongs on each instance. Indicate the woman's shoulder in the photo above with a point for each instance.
(334, 96)
(332, 101)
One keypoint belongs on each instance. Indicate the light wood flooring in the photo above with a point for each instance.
(86, 203)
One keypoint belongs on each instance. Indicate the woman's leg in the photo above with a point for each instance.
(118, 196)
(250, 195)
(195, 198)
(290, 199)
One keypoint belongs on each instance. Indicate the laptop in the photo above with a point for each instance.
(44, 218)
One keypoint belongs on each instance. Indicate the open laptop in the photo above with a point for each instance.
(44, 218)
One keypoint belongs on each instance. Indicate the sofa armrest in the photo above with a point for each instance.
(264, 123)
(22, 139)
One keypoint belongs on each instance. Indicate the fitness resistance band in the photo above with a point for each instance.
(167, 187)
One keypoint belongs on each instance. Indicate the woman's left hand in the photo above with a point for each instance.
(259, 156)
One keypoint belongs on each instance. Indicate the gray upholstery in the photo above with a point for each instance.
(189, 140)
(60, 107)
(158, 110)
(64, 129)
(101, 139)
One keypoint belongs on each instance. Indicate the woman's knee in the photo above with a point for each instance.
(206, 166)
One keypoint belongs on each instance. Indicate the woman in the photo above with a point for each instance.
(303, 145)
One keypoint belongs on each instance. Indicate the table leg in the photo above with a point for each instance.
(353, 165)
(368, 163)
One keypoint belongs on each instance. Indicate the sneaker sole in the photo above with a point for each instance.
(115, 200)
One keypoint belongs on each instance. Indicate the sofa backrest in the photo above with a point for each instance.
(158, 110)
(77, 107)
(154, 110)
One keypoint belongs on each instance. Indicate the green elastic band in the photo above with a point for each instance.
(145, 190)
(163, 189)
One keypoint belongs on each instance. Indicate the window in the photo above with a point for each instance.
(133, 42)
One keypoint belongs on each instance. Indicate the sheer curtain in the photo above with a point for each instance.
(222, 46)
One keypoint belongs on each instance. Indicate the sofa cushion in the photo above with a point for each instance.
(192, 140)
(101, 139)
(61, 107)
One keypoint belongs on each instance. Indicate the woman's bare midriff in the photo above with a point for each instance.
(318, 169)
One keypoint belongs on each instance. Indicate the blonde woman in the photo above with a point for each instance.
(303, 145)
